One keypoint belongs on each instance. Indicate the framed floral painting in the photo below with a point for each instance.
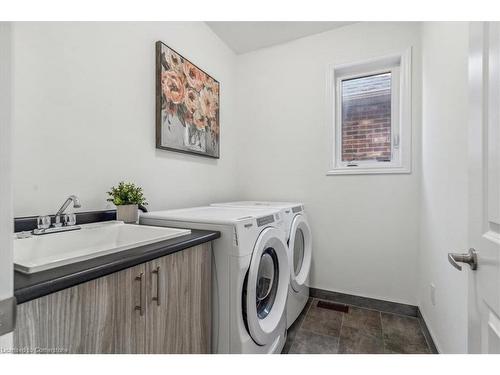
(187, 105)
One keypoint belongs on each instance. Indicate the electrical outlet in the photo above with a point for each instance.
(433, 294)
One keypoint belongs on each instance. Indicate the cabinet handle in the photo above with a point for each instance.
(157, 273)
(140, 306)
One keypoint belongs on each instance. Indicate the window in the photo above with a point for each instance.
(371, 116)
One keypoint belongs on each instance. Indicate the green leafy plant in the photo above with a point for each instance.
(127, 193)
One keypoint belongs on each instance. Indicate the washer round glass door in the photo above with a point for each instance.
(267, 282)
(267, 286)
(300, 247)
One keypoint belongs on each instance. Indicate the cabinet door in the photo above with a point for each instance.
(179, 297)
(129, 327)
(98, 316)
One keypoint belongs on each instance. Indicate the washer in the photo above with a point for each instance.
(250, 274)
(299, 240)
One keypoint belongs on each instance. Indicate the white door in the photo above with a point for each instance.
(484, 187)
(6, 272)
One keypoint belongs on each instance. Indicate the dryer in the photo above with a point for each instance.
(250, 274)
(299, 241)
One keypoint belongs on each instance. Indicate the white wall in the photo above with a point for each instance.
(444, 181)
(84, 115)
(6, 263)
(365, 227)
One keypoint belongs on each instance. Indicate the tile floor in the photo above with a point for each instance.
(359, 331)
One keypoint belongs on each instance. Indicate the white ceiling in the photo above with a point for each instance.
(247, 36)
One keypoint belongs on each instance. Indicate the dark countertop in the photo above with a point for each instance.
(29, 287)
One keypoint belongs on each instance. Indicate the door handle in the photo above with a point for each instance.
(140, 307)
(470, 258)
(157, 273)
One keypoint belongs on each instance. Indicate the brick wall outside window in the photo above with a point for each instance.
(366, 118)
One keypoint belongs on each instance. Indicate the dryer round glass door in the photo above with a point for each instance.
(298, 251)
(267, 282)
(267, 287)
(300, 246)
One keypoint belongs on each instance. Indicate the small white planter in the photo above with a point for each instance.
(127, 213)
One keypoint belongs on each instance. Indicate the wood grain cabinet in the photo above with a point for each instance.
(162, 306)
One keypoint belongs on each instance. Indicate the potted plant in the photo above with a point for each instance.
(127, 198)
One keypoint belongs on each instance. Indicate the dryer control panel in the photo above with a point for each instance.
(265, 220)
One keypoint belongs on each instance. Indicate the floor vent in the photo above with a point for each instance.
(333, 306)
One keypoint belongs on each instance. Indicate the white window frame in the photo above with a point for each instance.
(399, 65)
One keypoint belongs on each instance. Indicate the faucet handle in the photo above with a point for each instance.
(69, 219)
(57, 221)
(43, 222)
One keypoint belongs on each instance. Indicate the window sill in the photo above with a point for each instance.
(361, 170)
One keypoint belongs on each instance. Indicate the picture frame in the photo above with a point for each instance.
(187, 105)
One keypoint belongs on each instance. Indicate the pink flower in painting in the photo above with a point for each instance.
(199, 120)
(191, 100)
(195, 77)
(172, 86)
(171, 108)
(208, 103)
(188, 117)
(213, 85)
(175, 62)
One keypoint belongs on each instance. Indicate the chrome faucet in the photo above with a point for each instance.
(68, 219)
(71, 198)
(44, 226)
